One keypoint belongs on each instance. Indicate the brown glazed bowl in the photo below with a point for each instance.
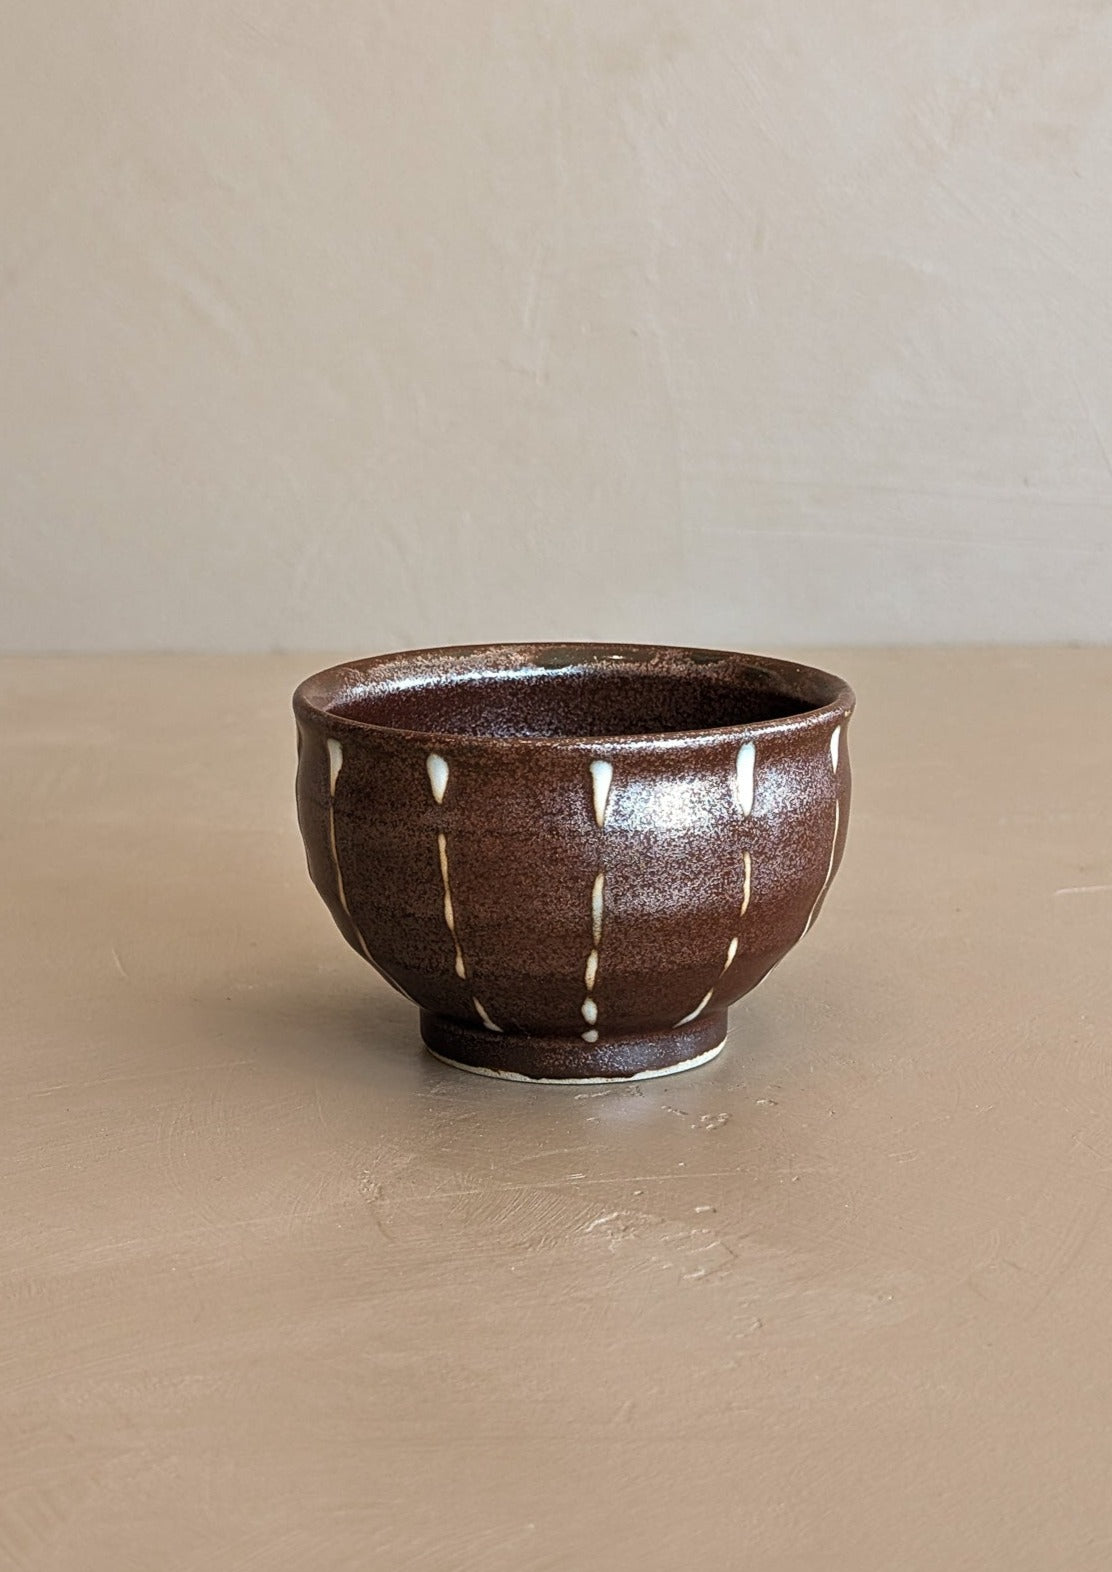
(573, 858)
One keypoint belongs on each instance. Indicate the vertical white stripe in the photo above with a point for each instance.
(602, 774)
(596, 908)
(835, 742)
(602, 778)
(744, 786)
(833, 843)
(335, 765)
(589, 1009)
(829, 867)
(698, 1010)
(449, 909)
(746, 761)
(437, 767)
(438, 775)
(490, 1025)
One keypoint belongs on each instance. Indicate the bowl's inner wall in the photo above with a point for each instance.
(602, 698)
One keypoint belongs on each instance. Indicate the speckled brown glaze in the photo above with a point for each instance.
(573, 858)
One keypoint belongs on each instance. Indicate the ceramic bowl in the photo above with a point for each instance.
(573, 858)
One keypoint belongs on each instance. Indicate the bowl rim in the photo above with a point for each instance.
(314, 693)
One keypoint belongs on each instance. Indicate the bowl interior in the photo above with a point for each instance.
(585, 691)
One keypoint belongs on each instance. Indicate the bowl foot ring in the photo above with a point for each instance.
(570, 1061)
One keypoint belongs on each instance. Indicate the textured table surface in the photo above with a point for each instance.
(278, 1290)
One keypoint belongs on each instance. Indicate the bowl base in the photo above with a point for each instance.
(569, 1061)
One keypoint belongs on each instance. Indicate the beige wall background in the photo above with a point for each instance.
(370, 324)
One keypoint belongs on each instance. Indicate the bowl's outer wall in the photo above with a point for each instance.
(516, 839)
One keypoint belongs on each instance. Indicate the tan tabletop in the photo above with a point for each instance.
(280, 1291)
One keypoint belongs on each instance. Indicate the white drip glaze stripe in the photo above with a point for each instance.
(596, 908)
(835, 748)
(438, 776)
(744, 771)
(335, 765)
(698, 1010)
(490, 1025)
(602, 778)
(602, 775)
(449, 909)
(744, 784)
(829, 869)
(439, 773)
